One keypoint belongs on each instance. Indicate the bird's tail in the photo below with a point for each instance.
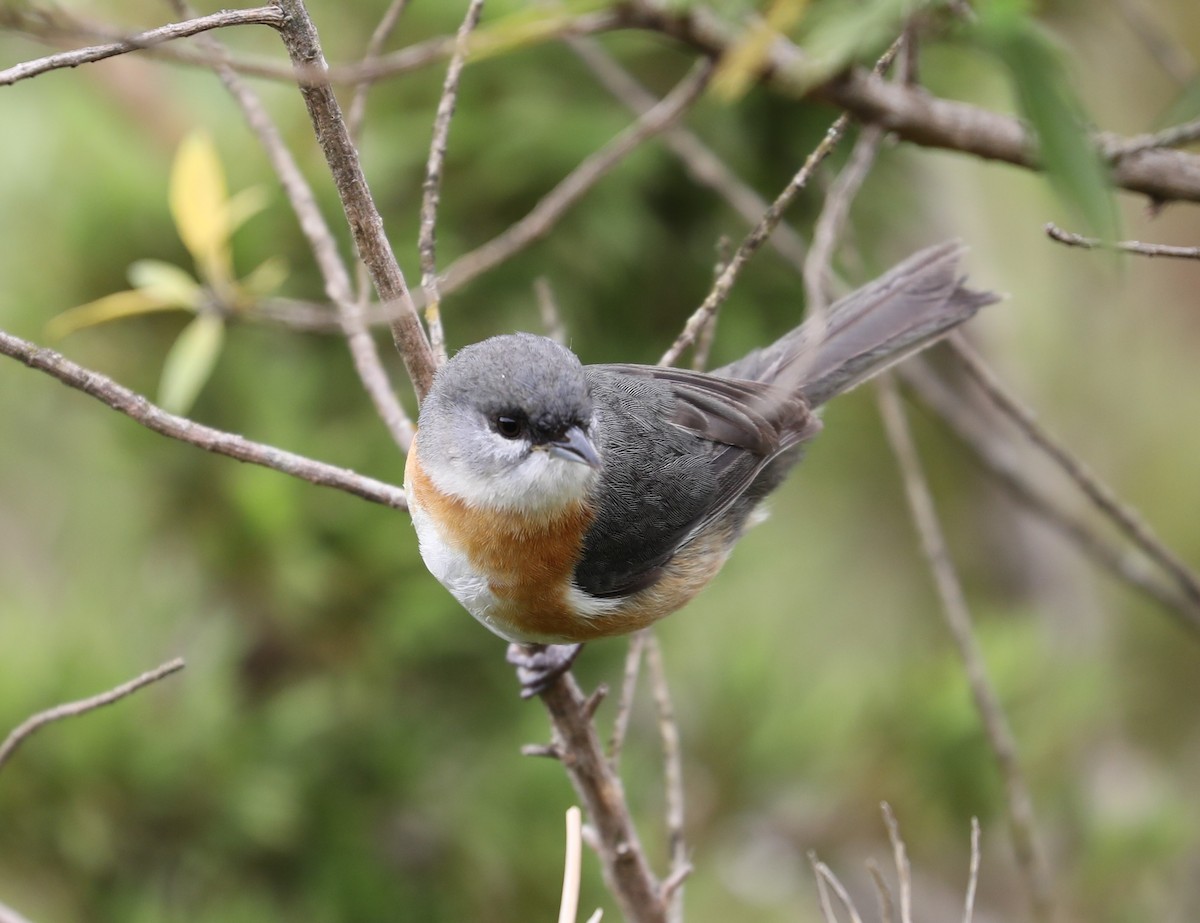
(903, 311)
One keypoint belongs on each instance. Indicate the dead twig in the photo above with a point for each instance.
(1101, 495)
(1018, 803)
(263, 16)
(751, 243)
(900, 857)
(633, 665)
(572, 867)
(140, 410)
(668, 732)
(366, 226)
(357, 110)
(431, 189)
(71, 709)
(825, 876)
(1054, 232)
(973, 873)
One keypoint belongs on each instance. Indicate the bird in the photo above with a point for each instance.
(561, 503)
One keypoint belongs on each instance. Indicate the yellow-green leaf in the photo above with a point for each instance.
(190, 362)
(266, 277)
(165, 282)
(243, 206)
(109, 308)
(198, 200)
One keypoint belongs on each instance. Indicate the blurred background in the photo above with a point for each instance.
(343, 745)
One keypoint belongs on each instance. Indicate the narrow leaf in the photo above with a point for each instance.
(242, 206)
(109, 308)
(266, 277)
(198, 204)
(1035, 66)
(190, 362)
(165, 282)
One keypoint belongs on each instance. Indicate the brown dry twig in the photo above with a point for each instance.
(1101, 495)
(668, 732)
(366, 226)
(1018, 802)
(140, 410)
(71, 709)
(633, 665)
(263, 16)
(1054, 232)
(431, 189)
(357, 110)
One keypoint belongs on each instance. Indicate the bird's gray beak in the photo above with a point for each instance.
(575, 446)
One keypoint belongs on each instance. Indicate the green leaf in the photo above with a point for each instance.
(109, 308)
(190, 362)
(165, 282)
(1036, 68)
(266, 277)
(243, 206)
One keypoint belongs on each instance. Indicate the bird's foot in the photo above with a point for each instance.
(539, 665)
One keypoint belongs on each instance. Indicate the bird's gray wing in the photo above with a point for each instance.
(681, 452)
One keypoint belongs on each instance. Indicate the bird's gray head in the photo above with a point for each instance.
(507, 424)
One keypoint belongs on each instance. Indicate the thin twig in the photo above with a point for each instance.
(1019, 804)
(973, 873)
(431, 189)
(71, 709)
(555, 203)
(825, 873)
(633, 665)
(704, 166)
(322, 244)
(1101, 495)
(708, 334)
(1071, 239)
(750, 244)
(1175, 136)
(572, 867)
(366, 226)
(823, 901)
(263, 16)
(900, 857)
(1000, 460)
(140, 410)
(1172, 57)
(887, 909)
(668, 732)
(552, 322)
(8, 915)
(623, 861)
(357, 110)
(834, 215)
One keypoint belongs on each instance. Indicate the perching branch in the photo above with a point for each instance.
(1054, 232)
(140, 410)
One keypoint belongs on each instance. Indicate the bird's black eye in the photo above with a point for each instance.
(509, 426)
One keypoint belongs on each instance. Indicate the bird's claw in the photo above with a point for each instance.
(539, 665)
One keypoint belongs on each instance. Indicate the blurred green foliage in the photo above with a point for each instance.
(344, 743)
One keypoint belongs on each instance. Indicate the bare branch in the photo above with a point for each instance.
(140, 410)
(626, 871)
(367, 362)
(555, 203)
(668, 732)
(973, 873)
(358, 103)
(633, 666)
(998, 458)
(887, 910)
(1018, 802)
(1096, 490)
(750, 244)
(366, 226)
(83, 706)
(572, 867)
(431, 190)
(1054, 232)
(705, 167)
(825, 875)
(900, 857)
(8, 915)
(263, 16)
